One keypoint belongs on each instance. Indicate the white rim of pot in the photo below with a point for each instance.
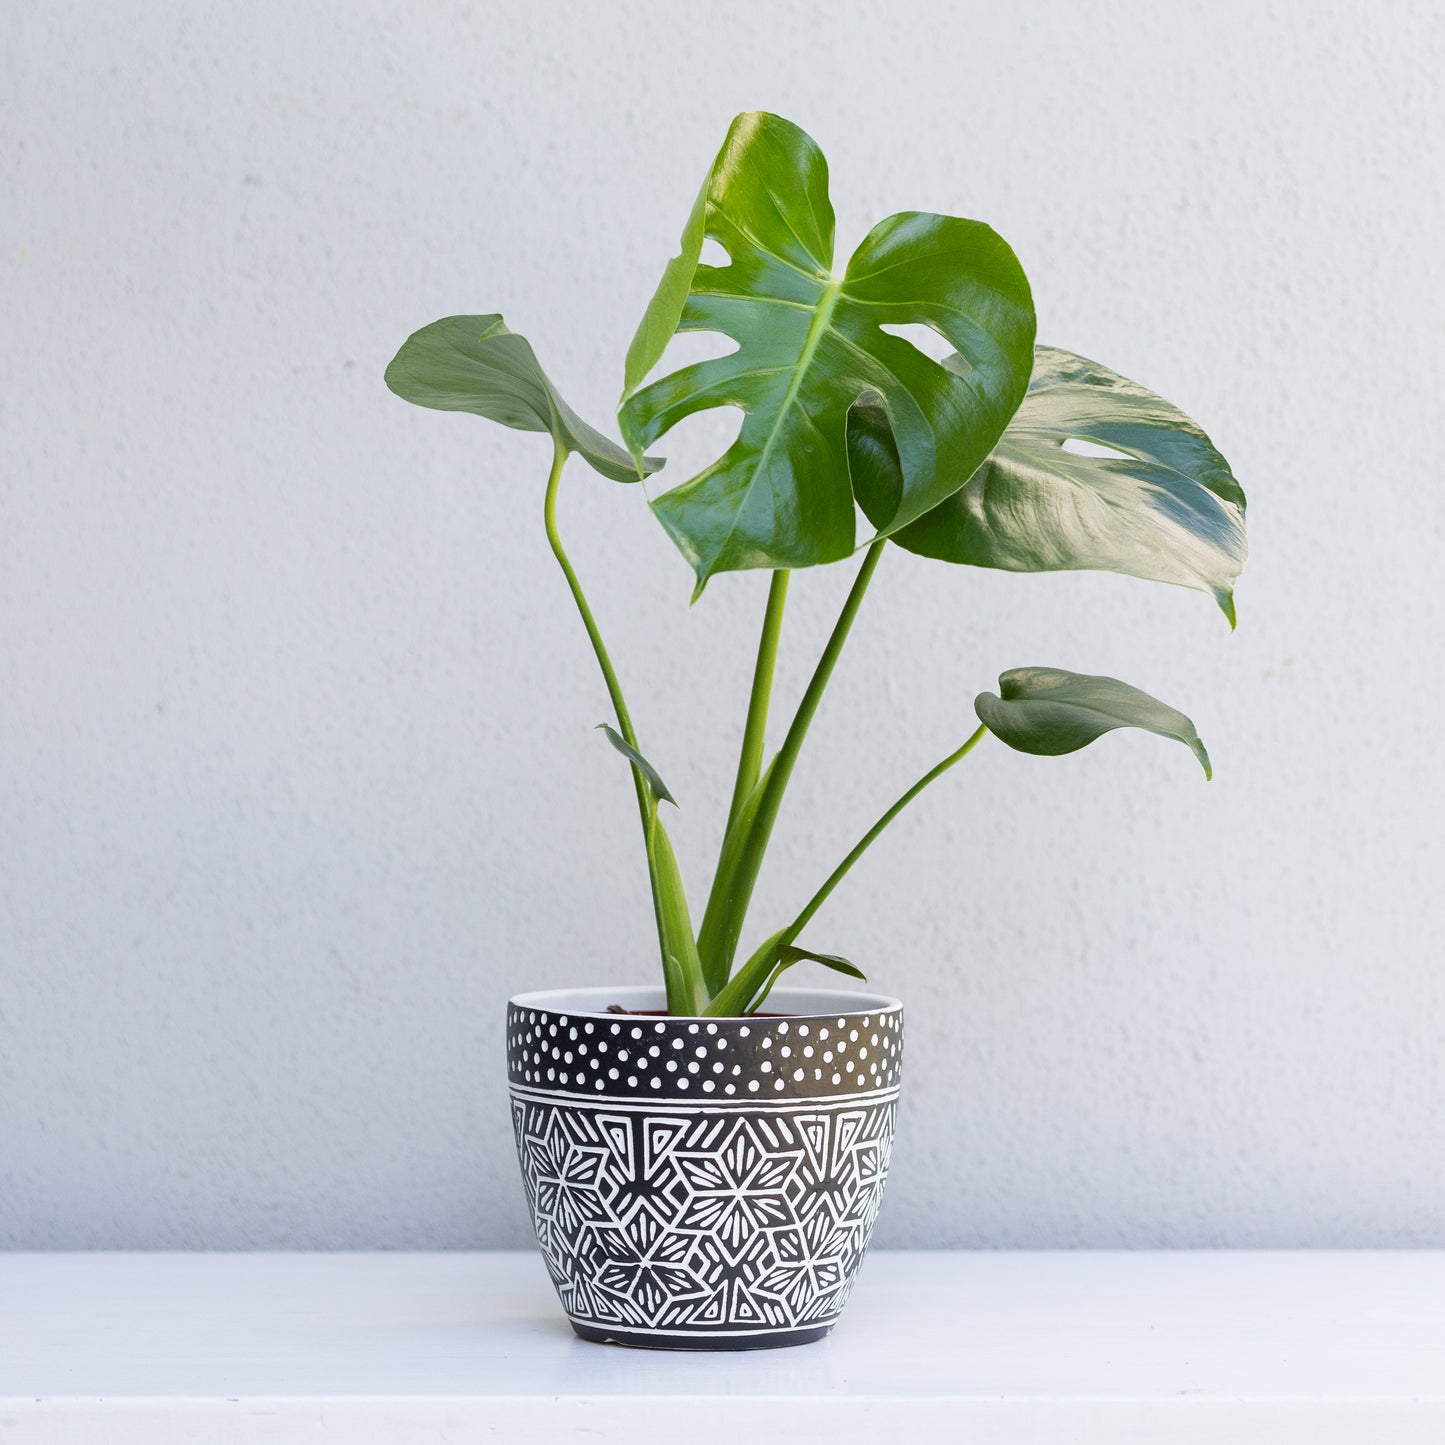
(803, 1003)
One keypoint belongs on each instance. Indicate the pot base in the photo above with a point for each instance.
(632, 1339)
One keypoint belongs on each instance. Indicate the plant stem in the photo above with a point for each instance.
(614, 688)
(737, 874)
(685, 991)
(750, 761)
(749, 986)
(798, 729)
(865, 842)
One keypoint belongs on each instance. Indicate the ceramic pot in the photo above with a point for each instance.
(703, 1184)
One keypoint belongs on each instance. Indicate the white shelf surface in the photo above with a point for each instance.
(992, 1349)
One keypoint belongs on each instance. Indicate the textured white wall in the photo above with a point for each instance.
(297, 775)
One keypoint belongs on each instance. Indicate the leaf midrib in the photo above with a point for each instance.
(817, 327)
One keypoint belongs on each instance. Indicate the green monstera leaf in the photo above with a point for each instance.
(1167, 509)
(811, 343)
(473, 363)
(1047, 711)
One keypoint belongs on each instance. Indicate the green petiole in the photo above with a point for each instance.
(682, 972)
(747, 840)
(749, 986)
(750, 762)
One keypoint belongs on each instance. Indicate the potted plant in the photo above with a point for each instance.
(704, 1159)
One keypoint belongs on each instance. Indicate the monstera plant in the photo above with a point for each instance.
(975, 459)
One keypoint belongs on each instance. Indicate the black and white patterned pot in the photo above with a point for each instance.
(704, 1184)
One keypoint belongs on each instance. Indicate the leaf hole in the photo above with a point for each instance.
(689, 348)
(933, 344)
(695, 442)
(714, 254)
(1081, 448)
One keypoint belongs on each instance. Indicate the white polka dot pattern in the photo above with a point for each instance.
(631, 1056)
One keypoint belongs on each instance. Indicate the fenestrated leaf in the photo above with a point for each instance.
(473, 363)
(1169, 510)
(1047, 711)
(810, 344)
(639, 762)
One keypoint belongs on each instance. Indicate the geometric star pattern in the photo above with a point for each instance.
(726, 1223)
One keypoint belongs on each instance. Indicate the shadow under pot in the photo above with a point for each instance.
(703, 1184)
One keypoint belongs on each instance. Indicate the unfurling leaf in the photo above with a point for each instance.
(793, 954)
(811, 342)
(682, 973)
(1165, 507)
(1047, 711)
(639, 762)
(751, 984)
(473, 363)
